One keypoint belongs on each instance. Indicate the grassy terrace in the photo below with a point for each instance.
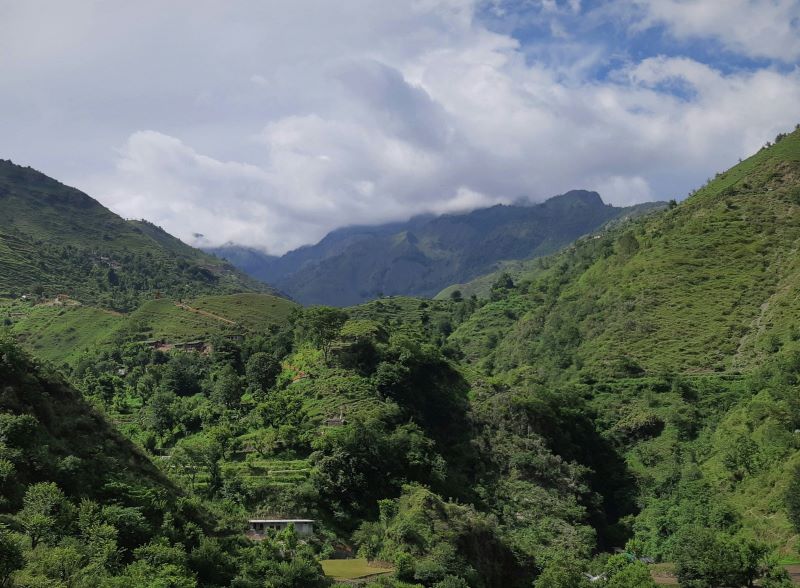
(352, 569)
(61, 332)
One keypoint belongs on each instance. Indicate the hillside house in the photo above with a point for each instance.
(260, 527)
(199, 346)
(336, 421)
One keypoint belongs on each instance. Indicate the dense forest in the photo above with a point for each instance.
(623, 410)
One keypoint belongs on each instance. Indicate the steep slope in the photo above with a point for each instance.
(57, 240)
(50, 434)
(425, 254)
(682, 329)
(696, 288)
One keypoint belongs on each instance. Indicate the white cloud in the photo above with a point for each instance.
(275, 123)
(757, 28)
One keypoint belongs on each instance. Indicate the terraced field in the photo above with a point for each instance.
(60, 331)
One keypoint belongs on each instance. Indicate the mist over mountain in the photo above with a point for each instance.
(427, 253)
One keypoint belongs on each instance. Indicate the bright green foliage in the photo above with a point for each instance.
(320, 326)
(637, 389)
(624, 571)
(433, 542)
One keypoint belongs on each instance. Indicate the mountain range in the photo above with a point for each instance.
(422, 256)
(636, 389)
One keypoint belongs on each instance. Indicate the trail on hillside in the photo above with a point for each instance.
(205, 313)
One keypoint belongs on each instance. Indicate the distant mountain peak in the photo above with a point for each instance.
(426, 253)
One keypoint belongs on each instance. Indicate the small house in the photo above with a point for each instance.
(260, 527)
(336, 421)
(199, 346)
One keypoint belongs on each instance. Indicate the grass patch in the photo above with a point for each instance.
(351, 569)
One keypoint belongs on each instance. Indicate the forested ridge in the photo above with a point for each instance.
(427, 253)
(625, 406)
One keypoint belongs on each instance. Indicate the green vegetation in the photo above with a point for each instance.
(55, 240)
(423, 255)
(350, 569)
(636, 391)
(61, 331)
(82, 507)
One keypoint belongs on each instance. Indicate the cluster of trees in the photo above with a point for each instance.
(495, 482)
(80, 506)
(53, 541)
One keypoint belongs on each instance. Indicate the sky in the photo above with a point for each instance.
(268, 123)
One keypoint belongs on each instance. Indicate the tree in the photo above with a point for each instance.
(201, 453)
(11, 558)
(261, 371)
(628, 243)
(320, 325)
(265, 441)
(622, 571)
(708, 559)
(793, 498)
(563, 572)
(501, 286)
(43, 512)
(227, 389)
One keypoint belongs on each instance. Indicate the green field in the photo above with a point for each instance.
(61, 332)
(351, 569)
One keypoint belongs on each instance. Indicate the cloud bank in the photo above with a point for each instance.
(269, 124)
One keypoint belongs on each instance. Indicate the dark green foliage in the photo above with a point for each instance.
(709, 559)
(11, 557)
(57, 240)
(793, 498)
(261, 371)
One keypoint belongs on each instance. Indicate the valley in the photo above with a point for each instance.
(619, 406)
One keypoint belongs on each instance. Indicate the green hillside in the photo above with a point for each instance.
(635, 391)
(681, 328)
(81, 506)
(701, 287)
(62, 331)
(57, 240)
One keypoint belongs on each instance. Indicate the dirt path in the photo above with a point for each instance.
(794, 572)
(204, 313)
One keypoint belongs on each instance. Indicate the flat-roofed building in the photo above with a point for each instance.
(260, 527)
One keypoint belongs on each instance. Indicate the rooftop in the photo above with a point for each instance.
(280, 520)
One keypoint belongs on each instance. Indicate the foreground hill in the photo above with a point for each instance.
(425, 254)
(82, 506)
(710, 285)
(682, 330)
(57, 240)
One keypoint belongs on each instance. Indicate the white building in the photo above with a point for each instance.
(260, 527)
